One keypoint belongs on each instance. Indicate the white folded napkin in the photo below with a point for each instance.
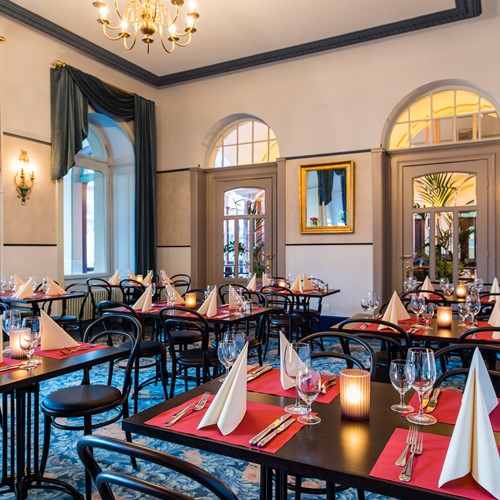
(145, 301)
(252, 283)
(18, 281)
(147, 280)
(209, 306)
(472, 447)
(265, 280)
(286, 381)
(131, 275)
(54, 289)
(307, 286)
(494, 289)
(395, 311)
(53, 336)
(297, 285)
(230, 405)
(427, 287)
(25, 290)
(164, 278)
(179, 301)
(115, 279)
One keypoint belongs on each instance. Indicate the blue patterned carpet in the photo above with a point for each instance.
(242, 477)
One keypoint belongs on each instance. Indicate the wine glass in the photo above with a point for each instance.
(399, 380)
(374, 299)
(365, 305)
(222, 349)
(28, 340)
(421, 373)
(33, 323)
(238, 338)
(3, 284)
(171, 295)
(473, 305)
(12, 284)
(417, 305)
(297, 354)
(11, 320)
(308, 386)
(478, 284)
(427, 314)
(448, 290)
(153, 289)
(463, 313)
(230, 353)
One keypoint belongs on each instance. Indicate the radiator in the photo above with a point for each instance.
(73, 306)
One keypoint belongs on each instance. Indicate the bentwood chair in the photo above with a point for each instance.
(255, 331)
(99, 290)
(182, 282)
(131, 290)
(187, 355)
(91, 447)
(87, 400)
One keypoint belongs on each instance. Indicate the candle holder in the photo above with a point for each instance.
(139, 278)
(190, 300)
(355, 394)
(282, 283)
(444, 317)
(461, 291)
(16, 351)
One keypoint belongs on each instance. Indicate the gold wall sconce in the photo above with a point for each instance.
(24, 178)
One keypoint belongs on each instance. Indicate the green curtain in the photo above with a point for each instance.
(71, 93)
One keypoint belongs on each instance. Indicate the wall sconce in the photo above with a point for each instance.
(24, 179)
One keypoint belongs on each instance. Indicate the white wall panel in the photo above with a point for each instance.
(174, 260)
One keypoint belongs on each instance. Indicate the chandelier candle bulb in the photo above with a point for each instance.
(355, 394)
(461, 291)
(444, 317)
(191, 300)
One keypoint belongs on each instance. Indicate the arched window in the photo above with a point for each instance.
(445, 116)
(245, 142)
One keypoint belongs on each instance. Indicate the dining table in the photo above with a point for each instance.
(20, 393)
(37, 298)
(358, 454)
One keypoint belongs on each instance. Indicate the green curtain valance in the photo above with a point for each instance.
(71, 93)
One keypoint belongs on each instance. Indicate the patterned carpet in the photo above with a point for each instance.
(242, 477)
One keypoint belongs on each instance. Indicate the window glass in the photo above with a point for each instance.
(245, 132)
(444, 189)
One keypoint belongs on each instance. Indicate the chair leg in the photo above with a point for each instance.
(87, 429)
(173, 378)
(47, 427)
(298, 484)
(164, 373)
(361, 494)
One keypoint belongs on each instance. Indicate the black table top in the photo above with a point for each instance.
(39, 297)
(335, 450)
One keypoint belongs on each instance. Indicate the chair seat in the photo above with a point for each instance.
(81, 399)
(147, 347)
(65, 319)
(185, 337)
(194, 357)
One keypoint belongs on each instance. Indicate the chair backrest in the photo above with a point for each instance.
(182, 282)
(105, 479)
(180, 318)
(113, 329)
(335, 357)
(131, 290)
(436, 297)
(107, 306)
(80, 287)
(98, 289)
(279, 298)
(345, 341)
(3, 307)
(223, 291)
(257, 298)
(470, 335)
(465, 351)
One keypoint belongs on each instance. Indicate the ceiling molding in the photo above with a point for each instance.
(464, 9)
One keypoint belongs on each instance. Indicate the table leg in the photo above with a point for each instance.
(266, 483)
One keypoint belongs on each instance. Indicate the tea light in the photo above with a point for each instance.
(444, 317)
(16, 351)
(139, 277)
(355, 394)
(461, 291)
(190, 300)
(282, 283)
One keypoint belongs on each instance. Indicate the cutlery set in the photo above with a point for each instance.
(71, 350)
(10, 367)
(257, 373)
(329, 382)
(272, 430)
(191, 407)
(414, 329)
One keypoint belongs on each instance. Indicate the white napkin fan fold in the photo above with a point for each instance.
(209, 306)
(25, 290)
(53, 336)
(145, 301)
(396, 311)
(252, 283)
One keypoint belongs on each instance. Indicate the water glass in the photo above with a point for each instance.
(297, 355)
(374, 300)
(308, 386)
(222, 349)
(11, 320)
(238, 338)
(421, 374)
(399, 380)
(33, 323)
(473, 304)
(417, 305)
(427, 314)
(463, 313)
(28, 341)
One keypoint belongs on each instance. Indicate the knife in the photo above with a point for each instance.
(279, 421)
(433, 401)
(257, 373)
(10, 367)
(274, 433)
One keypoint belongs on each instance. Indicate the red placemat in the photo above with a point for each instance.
(257, 417)
(59, 354)
(270, 383)
(405, 324)
(448, 407)
(9, 361)
(426, 467)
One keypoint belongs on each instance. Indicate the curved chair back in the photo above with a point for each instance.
(470, 335)
(99, 289)
(182, 282)
(110, 306)
(105, 479)
(335, 357)
(436, 297)
(465, 351)
(131, 290)
(176, 318)
(223, 291)
(256, 298)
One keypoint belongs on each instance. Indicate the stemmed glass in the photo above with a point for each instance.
(297, 355)
(417, 305)
(238, 338)
(11, 320)
(478, 284)
(226, 353)
(171, 294)
(153, 289)
(463, 312)
(427, 314)
(365, 305)
(28, 341)
(399, 380)
(33, 323)
(421, 373)
(308, 386)
(473, 305)
(448, 290)
(374, 301)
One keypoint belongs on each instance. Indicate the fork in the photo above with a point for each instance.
(416, 449)
(68, 350)
(197, 407)
(410, 439)
(327, 384)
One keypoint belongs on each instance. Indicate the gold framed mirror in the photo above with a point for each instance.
(327, 198)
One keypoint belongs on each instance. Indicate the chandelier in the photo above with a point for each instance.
(147, 18)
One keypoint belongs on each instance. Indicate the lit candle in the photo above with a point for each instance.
(139, 277)
(16, 351)
(444, 317)
(282, 283)
(461, 291)
(190, 300)
(355, 394)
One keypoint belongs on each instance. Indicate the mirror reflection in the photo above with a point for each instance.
(326, 195)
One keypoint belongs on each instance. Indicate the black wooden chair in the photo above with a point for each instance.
(131, 290)
(182, 282)
(88, 399)
(99, 290)
(90, 447)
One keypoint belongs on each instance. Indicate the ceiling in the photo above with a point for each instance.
(236, 34)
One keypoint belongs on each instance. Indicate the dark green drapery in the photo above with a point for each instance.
(71, 93)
